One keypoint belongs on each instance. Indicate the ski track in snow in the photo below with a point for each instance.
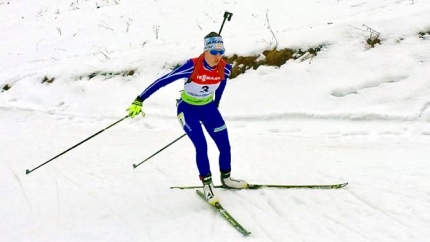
(268, 198)
(378, 209)
(22, 189)
(113, 212)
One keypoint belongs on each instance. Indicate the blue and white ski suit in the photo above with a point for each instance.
(199, 103)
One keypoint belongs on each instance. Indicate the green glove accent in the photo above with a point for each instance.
(135, 108)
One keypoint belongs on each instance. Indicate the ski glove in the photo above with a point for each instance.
(135, 108)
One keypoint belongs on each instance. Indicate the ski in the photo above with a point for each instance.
(260, 186)
(226, 215)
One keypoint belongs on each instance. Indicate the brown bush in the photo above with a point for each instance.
(48, 80)
(6, 87)
(421, 34)
(111, 74)
(240, 64)
(373, 41)
(278, 57)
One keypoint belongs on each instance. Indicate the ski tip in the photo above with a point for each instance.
(343, 184)
(27, 172)
(134, 166)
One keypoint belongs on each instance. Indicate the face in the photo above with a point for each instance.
(214, 56)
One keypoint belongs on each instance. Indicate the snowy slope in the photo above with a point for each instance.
(349, 114)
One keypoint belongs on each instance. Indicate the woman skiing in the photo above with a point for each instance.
(206, 78)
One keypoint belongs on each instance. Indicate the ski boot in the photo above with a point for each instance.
(229, 182)
(209, 190)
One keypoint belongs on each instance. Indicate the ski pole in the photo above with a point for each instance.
(134, 165)
(227, 16)
(29, 171)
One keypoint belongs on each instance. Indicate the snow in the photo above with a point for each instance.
(350, 114)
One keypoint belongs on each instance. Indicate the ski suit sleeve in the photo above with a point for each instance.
(183, 71)
(220, 90)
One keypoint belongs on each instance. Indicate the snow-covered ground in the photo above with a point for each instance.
(350, 114)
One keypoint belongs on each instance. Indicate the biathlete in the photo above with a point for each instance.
(206, 78)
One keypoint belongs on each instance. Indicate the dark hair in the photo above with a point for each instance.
(212, 34)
